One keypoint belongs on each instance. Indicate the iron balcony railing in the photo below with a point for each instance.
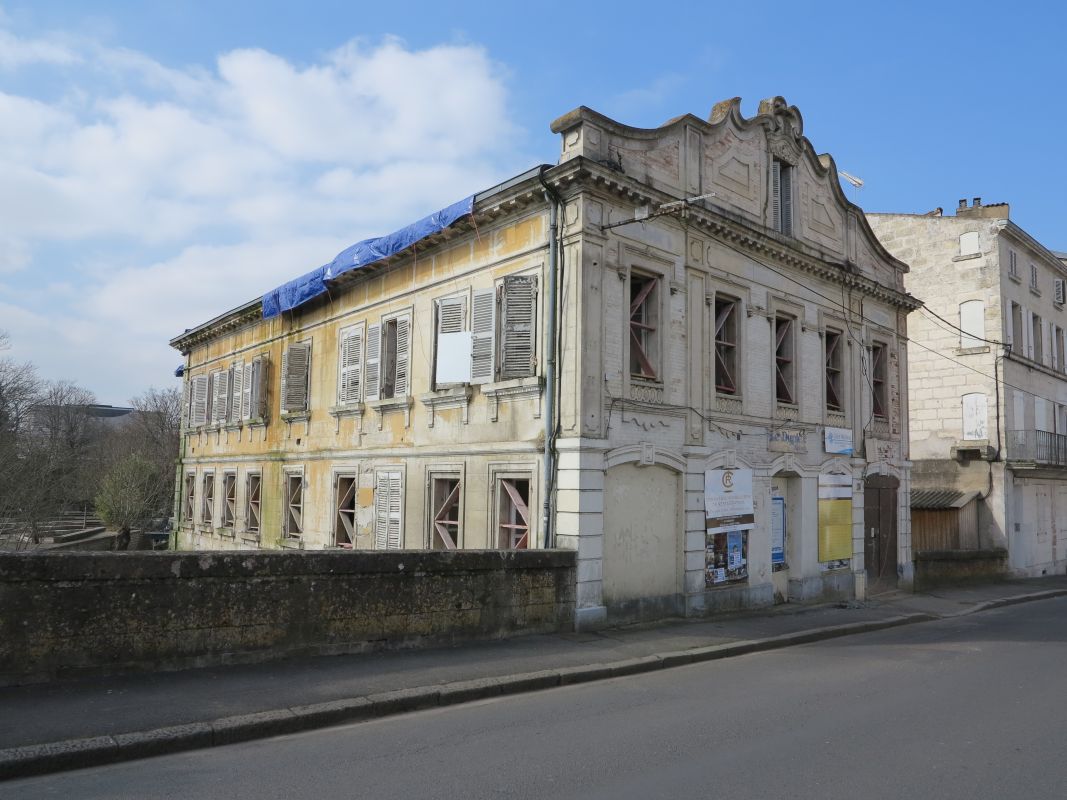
(1040, 447)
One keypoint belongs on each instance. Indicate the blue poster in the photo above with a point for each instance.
(734, 553)
(777, 530)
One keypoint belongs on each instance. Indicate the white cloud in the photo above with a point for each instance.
(181, 193)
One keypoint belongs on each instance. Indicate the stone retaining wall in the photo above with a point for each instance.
(953, 567)
(67, 614)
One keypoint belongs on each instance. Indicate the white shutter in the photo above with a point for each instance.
(372, 378)
(236, 389)
(250, 373)
(295, 368)
(351, 358)
(222, 395)
(972, 323)
(517, 329)
(396, 496)
(403, 356)
(451, 314)
(1009, 332)
(483, 326)
(452, 347)
(200, 400)
(388, 503)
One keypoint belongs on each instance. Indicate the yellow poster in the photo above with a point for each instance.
(835, 529)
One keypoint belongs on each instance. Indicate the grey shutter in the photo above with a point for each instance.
(372, 379)
(237, 375)
(483, 326)
(396, 496)
(295, 369)
(200, 397)
(451, 314)
(249, 371)
(776, 195)
(187, 402)
(403, 356)
(786, 198)
(517, 329)
(222, 395)
(1009, 337)
(351, 357)
(257, 401)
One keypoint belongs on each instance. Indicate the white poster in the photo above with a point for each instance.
(975, 418)
(728, 500)
(838, 441)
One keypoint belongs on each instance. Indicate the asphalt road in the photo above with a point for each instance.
(969, 708)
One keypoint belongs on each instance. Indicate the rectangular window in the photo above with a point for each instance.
(784, 358)
(1033, 276)
(1016, 334)
(294, 505)
(252, 501)
(453, 355)
(834, 346)
(254, 395)
(969, 243)
(1059, 290)
(198, 408)
(445, 502)
(207, 500)
(1013, 264)
(344, 525)
(726, 325)
(879, 373)
(388, 356)
(220, 403)
(229, 499)
(643, 325)
(782, 197)
(513, 513)
(296, 372)
(1036, 329)
(388, 510)
(190, 498)
(350, 366)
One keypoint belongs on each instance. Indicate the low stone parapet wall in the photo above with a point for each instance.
(949, 567)
(69, 614)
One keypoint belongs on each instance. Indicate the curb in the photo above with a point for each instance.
(39, 759)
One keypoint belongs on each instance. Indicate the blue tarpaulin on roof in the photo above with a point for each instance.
(312, 284)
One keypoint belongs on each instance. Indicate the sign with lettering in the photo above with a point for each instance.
(838, 441)
(728, 500)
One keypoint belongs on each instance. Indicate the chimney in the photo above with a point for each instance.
(963, 203)
(977, 202)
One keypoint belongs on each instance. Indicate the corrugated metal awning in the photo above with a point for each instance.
(939, 499)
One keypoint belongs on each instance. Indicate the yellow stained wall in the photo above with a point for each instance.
(324, 444)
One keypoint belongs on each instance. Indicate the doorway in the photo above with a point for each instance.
(880, 532)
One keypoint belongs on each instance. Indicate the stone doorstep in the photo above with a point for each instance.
(20, 762)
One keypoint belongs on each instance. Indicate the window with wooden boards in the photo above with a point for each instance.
(294, 505)
(252, 502)
(833, 350)
(207, 500)
(784, 360)
(344, 525)
(726, 339)
(513, 513)
(445, 500)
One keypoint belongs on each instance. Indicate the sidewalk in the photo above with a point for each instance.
(81, 723)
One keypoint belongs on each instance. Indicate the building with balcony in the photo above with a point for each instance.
(678, 351)
(988, 361)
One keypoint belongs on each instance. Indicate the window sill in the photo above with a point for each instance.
(295, 416)
(729, 404)
(1015, 278)
(1035, 291)
(967, 257)
(790, 411)
(292, 543)
(250, 537)
(453, 397)
(392, 404)
(511, 390)
(971, 351)
(353, 410)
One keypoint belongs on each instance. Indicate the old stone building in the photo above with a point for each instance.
(989, 378)
(678, 351)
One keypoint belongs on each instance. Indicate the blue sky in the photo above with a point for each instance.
(162, 162)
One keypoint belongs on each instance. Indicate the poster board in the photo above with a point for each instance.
(835, 517)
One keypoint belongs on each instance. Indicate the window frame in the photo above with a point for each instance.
(383, 507)
(837, 369)
(785, 378)
(189, 498)
(1037, 337)
(229, 512)
(290, 474)
(344, 396)
(505, 491)
(339, 514)
(644, 333)
(283, 379)
(879, 380)
(1035, 285)
(253, 500)
(438, 504)
(719, 344)
(207, 500)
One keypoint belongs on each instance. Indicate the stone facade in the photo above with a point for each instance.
(693, 335)
(989, 403)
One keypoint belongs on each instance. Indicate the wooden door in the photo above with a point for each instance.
(880, 531)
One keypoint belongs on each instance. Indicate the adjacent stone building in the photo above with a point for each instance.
(988, 376)
(678, 351)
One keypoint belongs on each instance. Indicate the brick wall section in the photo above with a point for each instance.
(94, 613)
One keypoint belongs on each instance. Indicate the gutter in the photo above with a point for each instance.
(550, 361)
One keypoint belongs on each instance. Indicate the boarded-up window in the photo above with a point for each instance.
(835, 390)
(453, 344)
(388, 504)
(975, 418)
(518, 314)
(972, 323)
(190, 498)
(879, 380)
(644, 324)
(296, 370)
(445, 501)
(726, 328)
(229, 499)
(513, 520)
(207, 500)
(350, 366)
(969, 243)
(782, 197)
(784, 360)
(294, 505)
(344, 526)
(252, 501)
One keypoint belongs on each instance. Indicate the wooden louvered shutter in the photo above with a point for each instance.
(388, 501)
(517, 329)
(295, 364)
(187, 402)
(250, 373)
(776, 195)
(373, 379)
(403, 356)
(237, 375)
(258, 399)
(483, 328)
(452, 344)
(351, 363)
(200, 398)
(786, 199)
(222, 395)
(1009, 337)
